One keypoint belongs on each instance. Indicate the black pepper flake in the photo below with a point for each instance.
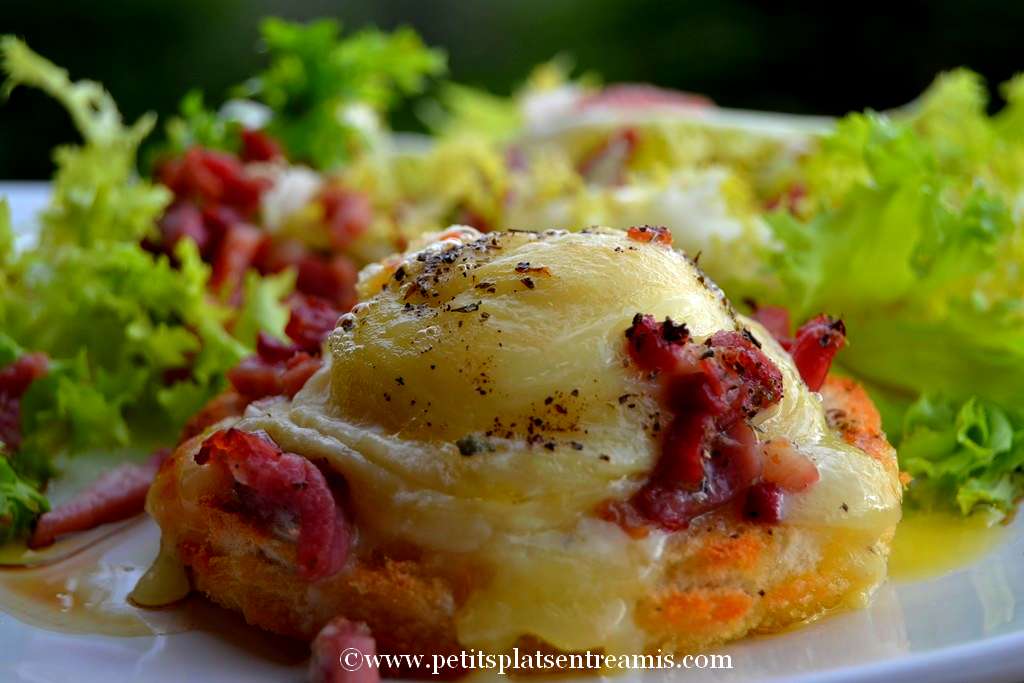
(400, 381)
(471, 444)
(560, 409)
(400, 274)
(576, 445)
(433, 367)
(575, 392)
(468, 308)
(845, 507)
(549, 400)
(751, 338)
(624, 398)
(485, 315)
(528, 282)
(605, 458)
(761, 593)
(387, 397)
(550, 445)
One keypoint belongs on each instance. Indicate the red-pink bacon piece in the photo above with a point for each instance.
(288, 482)
(15, 380)
(344, 652)
(115, 495)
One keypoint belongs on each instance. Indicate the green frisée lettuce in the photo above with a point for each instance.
(325, 91)
(136, 343)
(912, 232)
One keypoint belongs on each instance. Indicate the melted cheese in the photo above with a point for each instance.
(512, 345)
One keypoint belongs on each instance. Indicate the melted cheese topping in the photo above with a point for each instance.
(480, 405)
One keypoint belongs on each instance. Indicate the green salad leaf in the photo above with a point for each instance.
(136, 343)
(912, 234)
(20, 502)
(326, 91)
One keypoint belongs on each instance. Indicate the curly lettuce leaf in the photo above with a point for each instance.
(117, 321)
(969, 453)
(96, 194)
(912, 233)
(322, 88)
(20, 502)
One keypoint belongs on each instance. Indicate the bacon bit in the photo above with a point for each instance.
(709, 452)
(227, 404)
(474, 219)
(15, 379)
(789, 200)
(288, 482)
(333, 280)
(208, 177)
(338, 637)
(183, 219)
(606, 165)
(257, 145)
(786, 466)
(643, 96)
(763, 503)
(651, 233)
(312, 319)
(347, 215)
(116, 495)
(236, 253)
(776, 320)
(816, 345)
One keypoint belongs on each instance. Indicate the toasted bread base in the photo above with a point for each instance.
(721, 578)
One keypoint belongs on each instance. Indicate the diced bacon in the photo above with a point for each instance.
(333, 279)
(634, 96)
(277, 369)
(776, 320)
(351, 640)
(817, 343)
(208, 177)
(606, 165)
(116, 495)
(298, 369)
(183, 219)
(311, 320)
(650, 233)
(255, 378)
(763, 503)
(15, 379)
(789, 200)
(813, 348)
(786, 466)
(655, 346)
(257, 145)
(709, 451)
(235, 255)
(274, 350)
(347, 215)
(280, 481)
(227, 404)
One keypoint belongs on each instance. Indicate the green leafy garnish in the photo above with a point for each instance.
(136, 343)
(914, 238)
(20, 502)
(326, 91)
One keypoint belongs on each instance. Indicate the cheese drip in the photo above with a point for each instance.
(479, 405)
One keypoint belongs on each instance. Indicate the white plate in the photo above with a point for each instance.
(962, 627)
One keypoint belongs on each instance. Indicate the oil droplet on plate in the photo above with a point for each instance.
(931, 544)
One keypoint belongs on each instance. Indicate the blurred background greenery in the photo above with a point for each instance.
(811, 57)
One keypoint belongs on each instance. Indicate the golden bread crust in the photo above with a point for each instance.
(721, 578)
